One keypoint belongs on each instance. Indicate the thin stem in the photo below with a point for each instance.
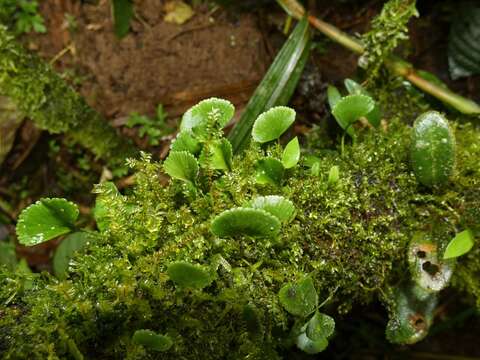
(394, 64)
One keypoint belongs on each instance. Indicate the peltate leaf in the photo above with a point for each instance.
(350, 108)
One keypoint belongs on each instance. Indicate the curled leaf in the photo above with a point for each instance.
(185, 142)
(271, 124)
(244, 221)
(350, 108)
(433, 149)
(375, 116)
(291, 154)
(221, 158)
(320, 326)
(67, 249)
(181, 165)
(152, 340)
(283, 209)
(333, 96)
(299, 298)
(188, 275)
(45, 220)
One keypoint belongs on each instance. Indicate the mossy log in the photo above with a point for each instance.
(351, 237)
(43, 96)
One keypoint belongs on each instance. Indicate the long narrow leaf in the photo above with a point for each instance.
(278, 84)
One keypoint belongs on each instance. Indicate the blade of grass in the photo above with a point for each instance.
(277, 85)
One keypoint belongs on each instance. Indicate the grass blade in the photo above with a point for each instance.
(277, 85)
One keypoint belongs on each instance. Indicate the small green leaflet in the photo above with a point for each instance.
(320, 326)
(374, 117)
(269, 171)
(221, 157)
(45, 220)
(67, 249)
(299, 298)
(271, 124)
(185, 142)
(122, 15)
(291, 154)
(245, 221)
(350, 108)
(188, 275)
(152, 340)
(211, 111)
(181, 165)
(333, 175)
(461, 244)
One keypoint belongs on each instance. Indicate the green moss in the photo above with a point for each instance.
(352, 238)
(53, 105)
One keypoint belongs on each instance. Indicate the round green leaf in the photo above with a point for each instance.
(291, 154)
(333, 96)
(278, 206)
(461, 244)
(299, 298)
(310, 346)
(320, 326)
(269, 171)
(152, 340)
(45, 220)
(209, 111)
(433, 149)
(185, 142)
(244, 221)
(188, 275)
(66, 250)
(375, 116)
(350, 108)
(181, 165)
(271, 124)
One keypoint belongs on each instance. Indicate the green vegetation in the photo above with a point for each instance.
(22, 16)
(210, 264)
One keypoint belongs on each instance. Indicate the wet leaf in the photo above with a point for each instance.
(45, 220)
(333, 96)
(277, 85)
(181, 165)
(271, 124)
(291, 154)
(122, 15)
(269, 171)
(67, 249)
(206, 113)
(188, 275)
(299, 298)
(283, 209)
(310, 346)
(245, 221)
(350, 108)
(433, 149)
(320, 326)
(152, 340)
(461, 244)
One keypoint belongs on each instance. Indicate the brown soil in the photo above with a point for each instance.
(157, 62)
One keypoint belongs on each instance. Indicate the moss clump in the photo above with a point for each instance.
(53, 105)
(351, 236)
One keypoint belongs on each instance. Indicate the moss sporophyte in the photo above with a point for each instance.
(237, 255)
